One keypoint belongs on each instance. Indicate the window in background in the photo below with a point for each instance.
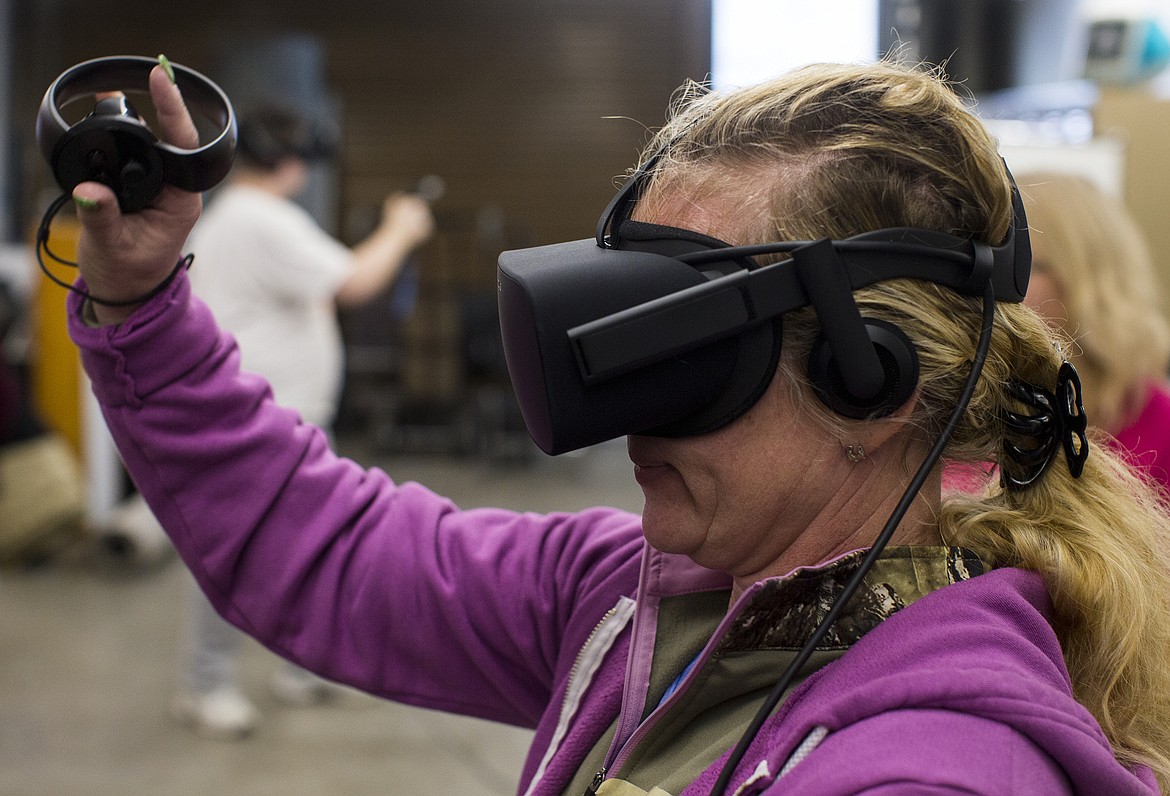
(752, 40)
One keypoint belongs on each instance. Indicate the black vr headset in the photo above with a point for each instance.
(269, 134)
(647, 329)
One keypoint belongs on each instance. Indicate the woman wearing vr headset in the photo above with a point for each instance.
(1008, 642)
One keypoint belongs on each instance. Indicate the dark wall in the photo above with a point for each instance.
(988, 45)
(528, 109)
(512, 102)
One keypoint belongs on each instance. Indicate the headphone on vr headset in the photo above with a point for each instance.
(859, 367)
(112, 144)
(648, 329)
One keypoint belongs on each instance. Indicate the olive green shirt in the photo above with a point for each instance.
(715, 702)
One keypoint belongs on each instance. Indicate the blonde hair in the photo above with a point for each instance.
(1090, 244)
(835, 150)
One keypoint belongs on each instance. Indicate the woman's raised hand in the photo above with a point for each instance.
(122, 256)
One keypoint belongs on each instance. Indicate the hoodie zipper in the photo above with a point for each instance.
(588, 661)
(618, 754)
(598, 778)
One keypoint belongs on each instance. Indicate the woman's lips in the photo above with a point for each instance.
(647, 476)
(647, 473)
(647, 467)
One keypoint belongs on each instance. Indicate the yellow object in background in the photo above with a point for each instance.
(54, 364)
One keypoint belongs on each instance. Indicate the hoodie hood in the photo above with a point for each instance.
(983, 648)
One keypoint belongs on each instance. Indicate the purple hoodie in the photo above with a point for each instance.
(490, 613)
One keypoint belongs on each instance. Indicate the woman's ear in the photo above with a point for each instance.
(871, 435)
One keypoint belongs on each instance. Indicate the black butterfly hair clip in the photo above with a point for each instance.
(1059, 422)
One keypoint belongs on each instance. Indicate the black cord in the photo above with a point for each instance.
(43, 246)
(872, 554)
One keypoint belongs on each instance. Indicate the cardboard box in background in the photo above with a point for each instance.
(1142, 120)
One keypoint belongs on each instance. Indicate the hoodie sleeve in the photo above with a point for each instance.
(387, 587)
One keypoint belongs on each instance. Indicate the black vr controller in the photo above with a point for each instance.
(114, 146)
(655, 330)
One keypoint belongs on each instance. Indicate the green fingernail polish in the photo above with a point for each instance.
(83, 203)
(165, 63)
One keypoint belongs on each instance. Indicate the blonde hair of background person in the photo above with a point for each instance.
(1094, 275)
(1100, 541)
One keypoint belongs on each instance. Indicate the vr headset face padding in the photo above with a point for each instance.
(113, 146)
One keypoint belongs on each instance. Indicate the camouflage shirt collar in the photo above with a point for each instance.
(784, 612)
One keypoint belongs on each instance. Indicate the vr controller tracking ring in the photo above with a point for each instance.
(112, 145)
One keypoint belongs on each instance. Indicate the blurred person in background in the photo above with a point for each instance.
(1093, 278)
(274, 278)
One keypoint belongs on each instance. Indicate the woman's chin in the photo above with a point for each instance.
(665, 529)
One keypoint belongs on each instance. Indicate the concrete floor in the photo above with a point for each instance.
(87, 667)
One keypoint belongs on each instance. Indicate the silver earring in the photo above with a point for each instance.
(855, 453)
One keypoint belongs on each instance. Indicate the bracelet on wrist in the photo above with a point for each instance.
(43, 246)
